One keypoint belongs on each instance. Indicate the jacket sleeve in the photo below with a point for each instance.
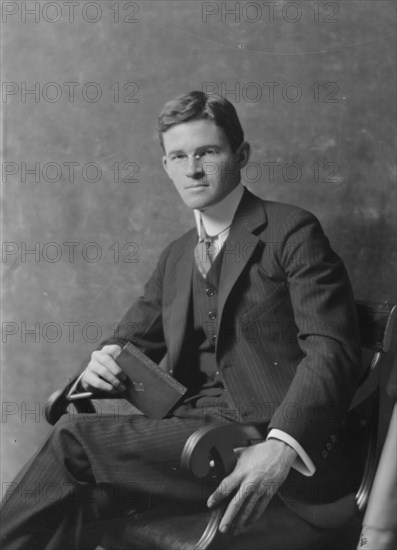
(142, 324)
(325, 316)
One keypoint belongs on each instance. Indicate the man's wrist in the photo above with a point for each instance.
(287, 454)
(303, 463)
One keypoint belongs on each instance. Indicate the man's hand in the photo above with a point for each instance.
(103, 373)
(259, 472)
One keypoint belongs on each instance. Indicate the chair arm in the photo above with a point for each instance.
(58, 403)
(217, 443)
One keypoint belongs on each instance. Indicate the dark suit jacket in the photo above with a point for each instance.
(287, 342)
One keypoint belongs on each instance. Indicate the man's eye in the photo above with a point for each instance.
(177, 157)
(207, 152)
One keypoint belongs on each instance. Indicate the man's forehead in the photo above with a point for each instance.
(194, 133)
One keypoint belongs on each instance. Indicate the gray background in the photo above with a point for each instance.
(333, 110)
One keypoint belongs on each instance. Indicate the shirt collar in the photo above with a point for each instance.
(219, 216)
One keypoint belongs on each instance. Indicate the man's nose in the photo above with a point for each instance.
(194, 167)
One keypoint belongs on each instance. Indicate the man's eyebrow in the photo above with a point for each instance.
(209, 146)
(174, 151)
(201, 148)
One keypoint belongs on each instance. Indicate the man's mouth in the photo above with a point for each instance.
(197, 186)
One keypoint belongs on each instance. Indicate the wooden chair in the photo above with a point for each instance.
(209, 452)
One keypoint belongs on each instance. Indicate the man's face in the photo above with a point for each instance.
(199, 160)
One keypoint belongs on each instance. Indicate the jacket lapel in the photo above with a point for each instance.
(240, 244)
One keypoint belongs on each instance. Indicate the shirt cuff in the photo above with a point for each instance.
(303, 463)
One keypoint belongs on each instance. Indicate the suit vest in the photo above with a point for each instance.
(209, 390)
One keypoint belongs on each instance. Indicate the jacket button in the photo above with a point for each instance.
(209, 291)
(324, 454)
(212, 315)
(333, 438)
(329, 446)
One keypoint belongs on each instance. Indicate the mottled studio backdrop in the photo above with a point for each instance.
(87, 206)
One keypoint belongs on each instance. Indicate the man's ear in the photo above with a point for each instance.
(243, 153)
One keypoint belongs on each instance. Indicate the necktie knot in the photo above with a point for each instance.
(204, 254)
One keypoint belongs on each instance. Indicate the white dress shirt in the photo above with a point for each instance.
(216, 220)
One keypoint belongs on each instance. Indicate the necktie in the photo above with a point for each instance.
(204, 254)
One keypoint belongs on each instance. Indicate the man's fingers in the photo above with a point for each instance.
(103, 372)
(107, 360)
(113, 371)
(223, 490)
(235, 510)
(98, 371)
(247, 506)
(100, 359)
(93, 381)
(259, 471)
(258, 510)
(244, 513)
(113, 349)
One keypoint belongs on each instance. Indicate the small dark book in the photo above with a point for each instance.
(151, 390)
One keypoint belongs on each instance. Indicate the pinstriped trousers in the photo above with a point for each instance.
(91, 468)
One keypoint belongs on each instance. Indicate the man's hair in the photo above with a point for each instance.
(197, 105)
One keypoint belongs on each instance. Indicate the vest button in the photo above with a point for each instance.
(212, 315)
(214, 339)
(209, 291)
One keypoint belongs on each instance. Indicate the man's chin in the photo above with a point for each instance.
(197, 203)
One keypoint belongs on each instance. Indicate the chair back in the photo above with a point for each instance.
(377, 327)
(377, 324)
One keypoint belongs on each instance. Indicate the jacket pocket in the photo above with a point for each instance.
(278, 294)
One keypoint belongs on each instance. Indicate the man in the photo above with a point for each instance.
(255, 316)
